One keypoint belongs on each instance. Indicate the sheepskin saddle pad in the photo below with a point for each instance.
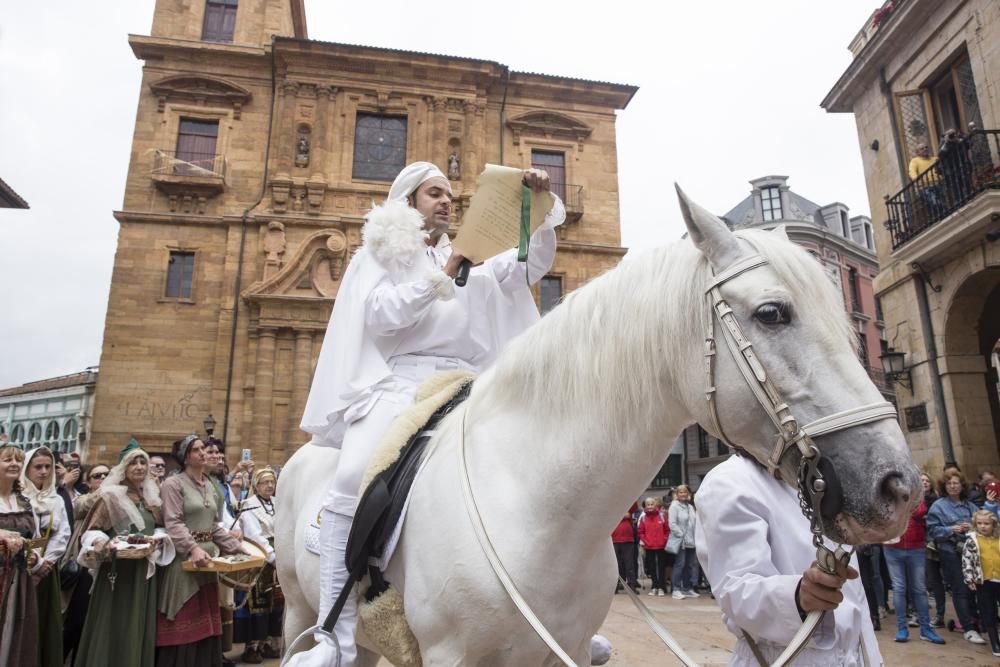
(382, 508)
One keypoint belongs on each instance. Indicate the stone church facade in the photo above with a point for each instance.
(255, 156)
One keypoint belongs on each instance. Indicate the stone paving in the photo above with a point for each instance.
(697, 625)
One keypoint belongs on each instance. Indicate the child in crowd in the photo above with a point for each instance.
(981, 570)
(653, 534)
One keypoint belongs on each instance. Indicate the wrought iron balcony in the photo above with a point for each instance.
(188, 179)
(945, 187)
(572, 196)
(878, 377)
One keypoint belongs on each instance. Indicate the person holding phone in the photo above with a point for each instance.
(948, 523)
(398, 319)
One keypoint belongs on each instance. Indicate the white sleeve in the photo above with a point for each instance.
(59, 539)
(736, 557)
(509, 272)
(390, 308)
(251, 530)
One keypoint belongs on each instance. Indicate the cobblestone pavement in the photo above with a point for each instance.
(697, 625)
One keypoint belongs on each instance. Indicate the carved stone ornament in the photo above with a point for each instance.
(274, 248)
(281, 186)
(200, 89)
(549, 124)
(454, 167)
(315, 268)
(302, 151)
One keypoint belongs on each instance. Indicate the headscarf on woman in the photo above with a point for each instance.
(261, 509)
(114, 492)
(45, 500)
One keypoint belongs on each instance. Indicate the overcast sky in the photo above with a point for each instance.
(728, 91)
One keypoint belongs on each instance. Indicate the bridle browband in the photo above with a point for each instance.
(812, 485)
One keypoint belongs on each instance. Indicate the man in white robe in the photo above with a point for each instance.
(398, 319)
(756, 549)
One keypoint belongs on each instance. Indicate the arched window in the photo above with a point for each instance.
(35, 434)
(70, 430)
(52, 431)
(17, 435)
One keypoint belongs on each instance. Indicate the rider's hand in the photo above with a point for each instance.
(451, 267)
(536, 179)
(820, 591)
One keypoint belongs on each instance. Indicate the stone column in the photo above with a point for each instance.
(263, 392)
(472, 142)
(325, 109)
(439, 148)
(285, 132)
(301, 381)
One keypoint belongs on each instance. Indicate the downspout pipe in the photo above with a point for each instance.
(937, 387)
(238, 284)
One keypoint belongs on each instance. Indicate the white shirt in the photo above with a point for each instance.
(754, 544)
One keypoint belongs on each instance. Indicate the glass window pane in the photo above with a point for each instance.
(379, 147)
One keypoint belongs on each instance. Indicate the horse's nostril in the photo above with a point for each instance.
(894, 489)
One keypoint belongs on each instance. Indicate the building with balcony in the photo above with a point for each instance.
(921, 86)
(844, 245)
(55, 412)
(256, 152)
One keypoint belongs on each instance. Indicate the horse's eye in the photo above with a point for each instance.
(773, 314)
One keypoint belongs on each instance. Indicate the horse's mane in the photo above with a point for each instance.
(608, 342)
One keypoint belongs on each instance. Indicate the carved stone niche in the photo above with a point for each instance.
(200, 89)
(302, 145)
(549, 124)
(274, 248)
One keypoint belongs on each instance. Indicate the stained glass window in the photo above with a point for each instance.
(379, 147)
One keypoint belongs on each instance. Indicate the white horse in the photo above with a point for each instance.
(571, 423)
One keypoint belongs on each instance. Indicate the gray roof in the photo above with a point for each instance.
(801, 209)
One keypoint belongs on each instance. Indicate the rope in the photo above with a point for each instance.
(660, 631)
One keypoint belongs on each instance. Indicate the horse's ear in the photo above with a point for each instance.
(710, 234)
(781, 232)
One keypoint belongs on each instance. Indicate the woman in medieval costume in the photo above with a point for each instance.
(18, 602)
(38, 479)
(120, 627)
(258, 620)
(188, 624)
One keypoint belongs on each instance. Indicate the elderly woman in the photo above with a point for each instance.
(18, 603)
(189, 628)
(682, 523)
(38, 479)
(258, 622)
(120, 629)
(948, 523)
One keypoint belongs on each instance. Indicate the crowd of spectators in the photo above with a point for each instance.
(70, 593)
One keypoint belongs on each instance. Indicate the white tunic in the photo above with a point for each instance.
(754, 544)
(396, 307)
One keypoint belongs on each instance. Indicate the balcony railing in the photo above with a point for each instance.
(572, 196)
(878, 377)
(210, 166)
(945, 187)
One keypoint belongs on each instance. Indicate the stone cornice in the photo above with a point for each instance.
(151, 48)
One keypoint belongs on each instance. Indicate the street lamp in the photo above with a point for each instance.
(209, 425)
(894, 364)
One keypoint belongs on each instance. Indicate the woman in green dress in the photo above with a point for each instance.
(120, 626)
(189, 627)
(38, 479)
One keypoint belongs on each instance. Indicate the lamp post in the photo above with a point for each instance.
(894, 364)
(209, 425)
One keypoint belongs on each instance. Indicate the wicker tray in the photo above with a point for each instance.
(222, 564)
(132, 551)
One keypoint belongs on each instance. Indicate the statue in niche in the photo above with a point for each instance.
(302, 151)
(454, 168)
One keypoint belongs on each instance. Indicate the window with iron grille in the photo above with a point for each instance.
(220, 21)
(770, 203)
(554, 164)
(196, 141)
(863, 350)
(704, 447)
(379, 147)
(180, 274)
(855, 292)
(550, 292)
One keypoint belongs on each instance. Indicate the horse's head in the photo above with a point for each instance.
(791, 313)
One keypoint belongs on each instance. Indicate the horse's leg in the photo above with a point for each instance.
(368, 658)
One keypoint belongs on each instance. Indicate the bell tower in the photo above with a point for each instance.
(237, 22)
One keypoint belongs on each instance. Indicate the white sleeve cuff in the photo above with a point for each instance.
(443, 285)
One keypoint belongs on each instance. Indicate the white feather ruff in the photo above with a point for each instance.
(394, 234)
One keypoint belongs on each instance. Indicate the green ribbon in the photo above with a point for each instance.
(522, 244)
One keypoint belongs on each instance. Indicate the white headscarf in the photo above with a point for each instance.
(46, 500)
(114, 492)
(412, 176)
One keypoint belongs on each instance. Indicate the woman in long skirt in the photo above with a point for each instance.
(18, 601)
(38, 479)
(120, 626)
(189, 627)
(258, 620)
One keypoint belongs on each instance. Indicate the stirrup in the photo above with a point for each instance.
(314, 630)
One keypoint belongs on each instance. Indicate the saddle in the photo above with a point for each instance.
(388, 482)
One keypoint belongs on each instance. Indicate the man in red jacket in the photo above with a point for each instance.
(653, 533)
(906, 560)
(623, 538)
